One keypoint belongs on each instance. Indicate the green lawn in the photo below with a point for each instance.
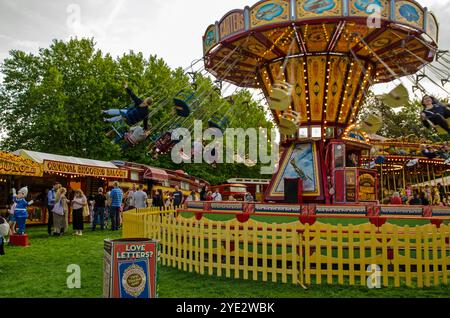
(40, 271)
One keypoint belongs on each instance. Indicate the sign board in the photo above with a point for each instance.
(18, 166)
(74, 169)
(131, 268)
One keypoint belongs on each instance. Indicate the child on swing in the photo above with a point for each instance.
(133, 137)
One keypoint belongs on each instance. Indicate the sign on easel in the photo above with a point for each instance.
(131, 268)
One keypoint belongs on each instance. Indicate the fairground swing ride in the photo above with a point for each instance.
(315, 61)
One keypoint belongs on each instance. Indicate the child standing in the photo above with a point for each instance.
(20, 211)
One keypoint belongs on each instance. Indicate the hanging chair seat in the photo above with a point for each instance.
(119, 129)
(183, 103)
(281, 97)
(372, 124)
(441, 131)
(218, 123)
(289, 123)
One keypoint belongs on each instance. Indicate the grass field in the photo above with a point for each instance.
(40, 271)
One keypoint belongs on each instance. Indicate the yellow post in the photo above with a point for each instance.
(340, 254)
(393, 181)
(351, 255)
(404, 178)
(430, 181)
(264, 251)
(408, 257)
(382, 184)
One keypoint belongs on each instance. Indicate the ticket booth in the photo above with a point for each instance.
(351, 182)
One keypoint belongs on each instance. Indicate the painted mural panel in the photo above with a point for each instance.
(296, 76)
(269, 12)
(316, 81)
(318, 8)
(300, 162)
(317, 36)
(351, 28)
(350, 91)
(369, 7)
(432, 27)
(338, 68)
(209, 39)
(408, 12)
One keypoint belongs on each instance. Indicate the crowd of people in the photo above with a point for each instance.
(428, 195)
(103, 209)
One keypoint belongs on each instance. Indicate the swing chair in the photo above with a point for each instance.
(281, 93)
(371, 124)
(281, 97)
(289, 123)
(216, 122)
(183, 103)
(119, 129)
(398, 97)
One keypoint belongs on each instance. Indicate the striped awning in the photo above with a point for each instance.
(155, 174)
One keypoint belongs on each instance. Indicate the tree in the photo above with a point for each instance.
(398, 122)
(52, 101)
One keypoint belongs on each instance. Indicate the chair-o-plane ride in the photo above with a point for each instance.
(315, 61)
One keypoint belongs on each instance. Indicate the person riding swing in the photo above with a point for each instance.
(435, 113)
(133, 115)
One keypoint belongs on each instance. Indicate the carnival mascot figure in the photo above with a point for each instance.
(20, 211)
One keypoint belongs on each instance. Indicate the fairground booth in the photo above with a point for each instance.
(154, 179)
(73, 173)
(14, 169)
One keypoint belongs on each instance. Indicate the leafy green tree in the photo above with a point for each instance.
(52, 102)
(398, 122)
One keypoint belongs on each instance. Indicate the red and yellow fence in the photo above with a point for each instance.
(296, 253)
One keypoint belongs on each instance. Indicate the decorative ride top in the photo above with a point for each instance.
(329, 51)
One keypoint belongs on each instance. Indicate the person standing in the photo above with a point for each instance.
(108, 209)
(217, 196)
(248, 197)
(116, 196)
(157, 200)
(131, 203)
(99, 210)
(441, 190)
(140, 198)
(60, 209)
(51, 195)
(78, 203)
(177, 198)
(209, 196)
(415, 199)
(203, 193)
(395, 199)
(191, 197)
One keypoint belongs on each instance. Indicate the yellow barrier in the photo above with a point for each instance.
(295, 253)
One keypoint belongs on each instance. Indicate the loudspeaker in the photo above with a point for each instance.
(293, 190)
